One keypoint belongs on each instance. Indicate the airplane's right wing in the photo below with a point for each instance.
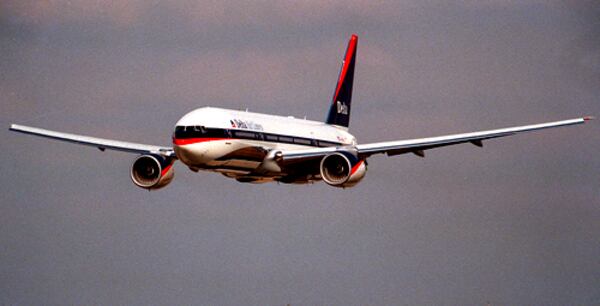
(100, 143)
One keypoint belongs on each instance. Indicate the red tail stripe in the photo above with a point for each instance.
(349, 54)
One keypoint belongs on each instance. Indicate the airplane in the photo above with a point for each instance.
(258, 148)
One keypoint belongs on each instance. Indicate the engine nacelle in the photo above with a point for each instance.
(338, 170)
(152, 171)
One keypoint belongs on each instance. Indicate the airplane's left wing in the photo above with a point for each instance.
(417, 146)
(99, 143)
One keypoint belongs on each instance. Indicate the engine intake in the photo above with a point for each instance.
(337, 170)
(152, 171)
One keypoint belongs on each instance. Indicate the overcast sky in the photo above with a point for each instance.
(513, 223)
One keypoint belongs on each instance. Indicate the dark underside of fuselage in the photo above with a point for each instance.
(242, 165)
(254, 154)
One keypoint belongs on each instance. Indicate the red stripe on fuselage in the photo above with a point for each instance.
(186, 141)
(349, 53)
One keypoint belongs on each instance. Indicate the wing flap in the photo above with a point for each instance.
(100, 143)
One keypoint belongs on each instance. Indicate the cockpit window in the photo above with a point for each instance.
(200, 131)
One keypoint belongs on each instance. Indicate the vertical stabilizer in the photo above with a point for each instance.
(339, 111)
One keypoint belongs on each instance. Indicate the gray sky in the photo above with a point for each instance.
(514, 223)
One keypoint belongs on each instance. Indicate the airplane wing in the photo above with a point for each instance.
(417, 146)
(99, 143)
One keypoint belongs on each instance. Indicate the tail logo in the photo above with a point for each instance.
(342, 108)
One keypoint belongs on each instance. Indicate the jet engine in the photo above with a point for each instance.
(152, 171)
(338, 170)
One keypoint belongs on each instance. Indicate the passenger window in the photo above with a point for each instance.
(271, 137)
(323, 143)
(285, 139)
(245, 135)
(302, 141)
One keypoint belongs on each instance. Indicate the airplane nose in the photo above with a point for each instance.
(184, 154)
(190, 154)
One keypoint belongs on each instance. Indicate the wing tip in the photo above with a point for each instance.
(17, 127)
(588, 118)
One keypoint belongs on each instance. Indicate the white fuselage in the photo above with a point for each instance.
(236, 142)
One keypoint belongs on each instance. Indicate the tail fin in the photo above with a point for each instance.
(339, 111)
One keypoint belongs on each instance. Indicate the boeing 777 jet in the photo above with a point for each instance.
(257, 148)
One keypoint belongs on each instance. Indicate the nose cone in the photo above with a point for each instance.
(184, 154)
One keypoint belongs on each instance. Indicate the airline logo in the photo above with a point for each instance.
(342, 108)
(245, 124)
